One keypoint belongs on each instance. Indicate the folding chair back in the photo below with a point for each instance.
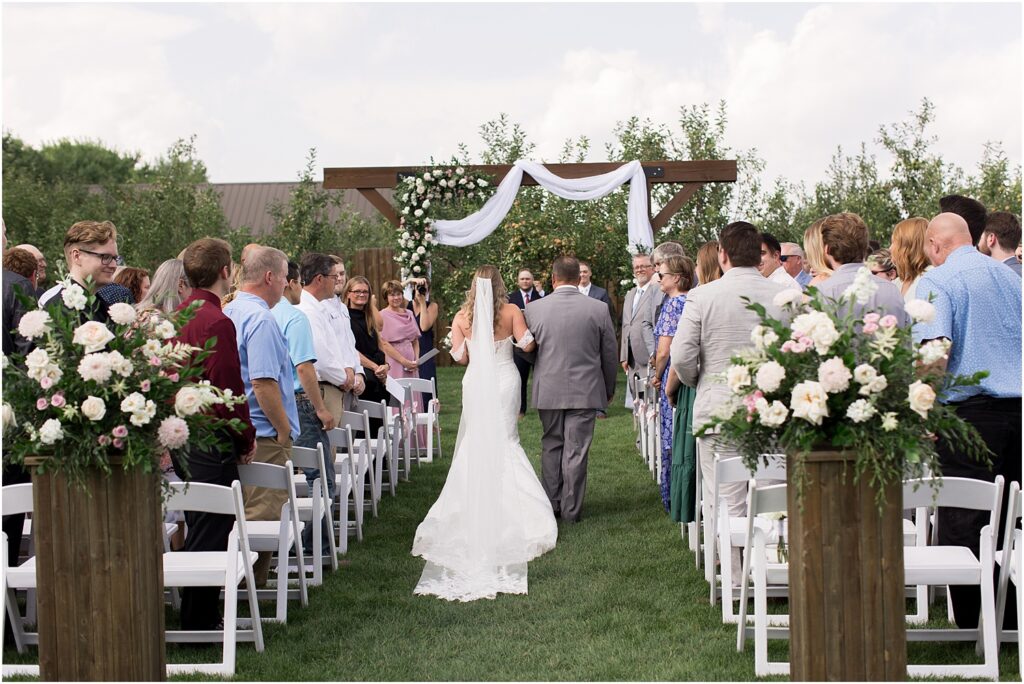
(427, 417)
(369, 458)
(1006, 557)
(317, 508)
(17, 499)
(382, 442)
(354, 461)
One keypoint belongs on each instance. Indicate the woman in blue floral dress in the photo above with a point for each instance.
(676, 279)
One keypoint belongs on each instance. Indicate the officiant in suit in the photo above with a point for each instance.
(637, 345)
(523, 294)
(575, 377)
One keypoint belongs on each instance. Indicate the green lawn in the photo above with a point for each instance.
(618, 599)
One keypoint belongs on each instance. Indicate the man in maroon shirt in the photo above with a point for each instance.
(208, 267)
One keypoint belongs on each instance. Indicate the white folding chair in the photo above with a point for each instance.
(697, 526)
(17, 500)
(1014, 567)
(368, 457)
(762, 499)
(315, 509)
(381, 444)
(278, 535)
(1007, 557)
(957, 565)
(354, 463)
(225, 569)
(428, 417)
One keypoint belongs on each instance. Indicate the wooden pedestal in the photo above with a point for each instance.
(100, 577)
(847, 608)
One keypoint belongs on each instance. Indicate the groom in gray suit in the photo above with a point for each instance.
(574, 376)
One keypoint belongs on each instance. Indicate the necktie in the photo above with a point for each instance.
(526, 297)
(636, 300)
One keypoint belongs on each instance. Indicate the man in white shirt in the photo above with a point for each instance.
(637, 331)
(591, 290)
(334, 371)
(771, 263)
(793, 261)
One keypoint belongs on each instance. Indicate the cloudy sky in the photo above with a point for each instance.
(390, 84)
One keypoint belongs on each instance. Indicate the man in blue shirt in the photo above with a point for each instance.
(977, 308)
(268, 377)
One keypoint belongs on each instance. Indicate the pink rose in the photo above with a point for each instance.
(806, 342)
(46, 382)
(154, 361)
(120, 431)
(788, 345)
(750, 401)
(57, 400)
(103, 440)
(118, 443)
(871, 318)
(173, 377)
(870, 328)
(145, 385)
(42, 403)
(888, 321)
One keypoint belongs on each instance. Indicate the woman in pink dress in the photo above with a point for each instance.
(400, 340)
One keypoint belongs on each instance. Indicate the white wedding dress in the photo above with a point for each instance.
(492, 515)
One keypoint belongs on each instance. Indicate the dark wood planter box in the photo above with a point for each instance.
(100, 577)
(847, 607)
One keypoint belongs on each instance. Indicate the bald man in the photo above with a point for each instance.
(977, 308)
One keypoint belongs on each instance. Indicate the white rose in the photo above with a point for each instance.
(8, 418)
(864, 373)
(921, 397)
(122, 314)
(95, 367)
(426, 176)
(151, 348)
(405, 236)
(889, 422)
(94, 408)
(459, 170)
(165, 330)
(406, 210)
(133, 403)
(482, 183)
(416, 269)
(770, 376)
(737, 377)
(421, 250)
(862, 288)
(92, 335)
(414, 258)
(443, 183)
(74, 297)
(462, 181)
(860, 411)
(824, 336)
(144, 415)
(875, 386)
(429, 237)
(405, 197)
(772, 415)
(188, 400)
(37, 358)
(763, 337)
(51, 431)
(119, 364)
(920, 310)
(426, 204)
(418, 213)
(787, 297)
(34, 324)
(809, 401)
(834, 376)
(933, 350)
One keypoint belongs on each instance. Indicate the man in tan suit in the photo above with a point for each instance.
(715, 325)
(575, 369)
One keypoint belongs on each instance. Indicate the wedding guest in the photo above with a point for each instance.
(341, 324)
(314, 418)
(675, 278)
(637, 333)
(881, 265)
(400, 340)
(908, 254)
(40, 265)
(707, 268)
(597, 292)
(814, 252)
(845, 240)
(207, 263)
(525, 293)
(793, 261)
(169, 289)
(135, 279)
(716, 324)
(970, 210)
(658, 255)
(425, 312)
(771, 263)
(1001, 237)
(90, 248)
(357, 296)
(267, 374)
(21, 261)
(973, 296)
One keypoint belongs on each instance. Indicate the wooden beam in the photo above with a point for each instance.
(674, 204)
(381, 204)
(708, 171)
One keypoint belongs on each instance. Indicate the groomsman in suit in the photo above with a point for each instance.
(576, 369)
(525, 293)
(594, 291)
(637, 330)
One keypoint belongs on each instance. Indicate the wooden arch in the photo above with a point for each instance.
(691, 174)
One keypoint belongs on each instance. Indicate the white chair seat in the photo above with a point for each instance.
(909, 532)
(265, 535)
(941, 565)
(23, 576)
(200, 568)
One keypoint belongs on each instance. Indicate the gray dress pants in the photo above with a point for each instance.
(566, 446)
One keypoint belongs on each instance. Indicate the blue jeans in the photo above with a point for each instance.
(311, 433)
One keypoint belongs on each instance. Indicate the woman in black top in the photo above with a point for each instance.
(366, 323)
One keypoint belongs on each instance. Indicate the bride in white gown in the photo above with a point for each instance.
(492, 515)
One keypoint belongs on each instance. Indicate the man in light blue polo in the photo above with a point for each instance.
(977, 308)
(267, 374)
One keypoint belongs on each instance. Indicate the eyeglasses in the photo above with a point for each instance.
(786, 257)
(359, 293)
(642, 267)
(337, 276)
(105, 259)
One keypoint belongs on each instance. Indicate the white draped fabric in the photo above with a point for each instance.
(477, 226)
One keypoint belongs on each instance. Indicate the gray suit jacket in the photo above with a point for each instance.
(575, 366)
(637, 329)
(715, 325)
(886, 299)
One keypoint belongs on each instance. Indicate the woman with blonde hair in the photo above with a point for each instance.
(814, 251)
(492, 516)
(358, 297)
(908, 254)
(708, 268)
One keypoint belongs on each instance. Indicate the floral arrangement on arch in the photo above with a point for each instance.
(828, 378)
(88, 393)
(420, 196)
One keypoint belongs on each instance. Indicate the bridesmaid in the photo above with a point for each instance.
(400, 339)
(426, 315)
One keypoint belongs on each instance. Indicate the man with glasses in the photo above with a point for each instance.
(637, 345)
(90, 248)
(771, 263)
(793, 262)
(345, 341)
